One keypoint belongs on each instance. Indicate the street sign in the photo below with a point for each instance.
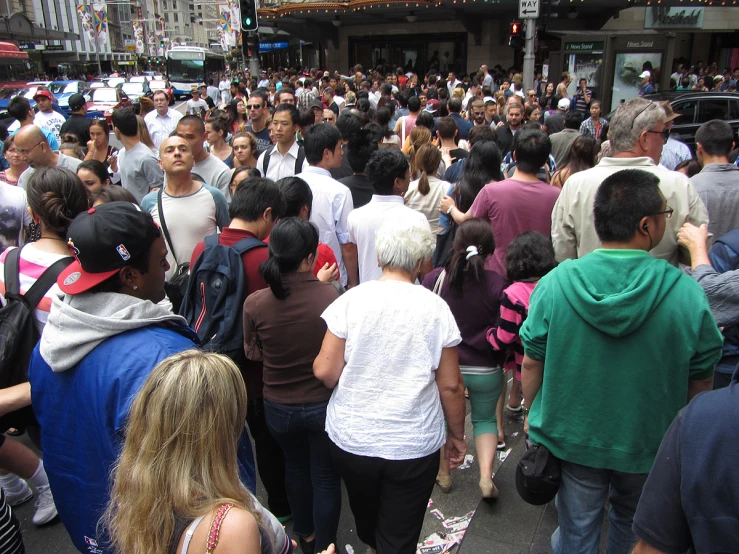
(528, 9)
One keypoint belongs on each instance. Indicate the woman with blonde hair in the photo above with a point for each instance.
(419, 137)
(425, 193)
(177, 477)
(145, 137)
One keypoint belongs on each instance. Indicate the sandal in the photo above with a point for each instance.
(444, 482)
(488, 490)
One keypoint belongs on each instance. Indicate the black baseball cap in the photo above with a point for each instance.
(103, 240)
(76, 101)
(538, 475)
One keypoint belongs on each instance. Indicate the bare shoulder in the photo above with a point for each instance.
(239, 533)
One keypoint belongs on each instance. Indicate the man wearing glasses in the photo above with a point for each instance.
(31, 143)
(258, 113)
(645, 345)
(638, 132)
(163, 120)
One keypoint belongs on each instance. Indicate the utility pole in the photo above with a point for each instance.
(529, 56)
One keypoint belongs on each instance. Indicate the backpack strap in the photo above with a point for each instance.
(300, 160)
(265, 161)
(244, 245)
(42, 285)
(12, 271)
(211, 240)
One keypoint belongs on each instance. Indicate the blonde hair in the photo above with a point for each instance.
(179, 455)
(144, 135)
(428, 159)
(419, 136)
(459, 92)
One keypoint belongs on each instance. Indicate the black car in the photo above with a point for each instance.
(695, 108)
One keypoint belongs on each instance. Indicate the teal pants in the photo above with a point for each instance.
(484, 391)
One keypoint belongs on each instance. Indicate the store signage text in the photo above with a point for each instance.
(584, 46)
(665, 18)
(640, 44)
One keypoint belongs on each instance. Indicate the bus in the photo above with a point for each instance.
(14, 64)
(188, 66)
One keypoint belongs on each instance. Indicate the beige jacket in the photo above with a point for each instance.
(573, 229)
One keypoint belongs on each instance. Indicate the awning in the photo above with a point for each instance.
(19, 28)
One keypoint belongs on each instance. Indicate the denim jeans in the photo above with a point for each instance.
(581, 505)
(313, 484)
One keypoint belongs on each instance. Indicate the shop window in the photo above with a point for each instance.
(166, 18)
(714, 108)
(176, 17)
(686, 110)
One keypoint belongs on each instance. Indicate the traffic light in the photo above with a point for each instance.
(249, 44)
(249, 15)
(515, 39)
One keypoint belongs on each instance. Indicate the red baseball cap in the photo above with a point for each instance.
(45, 93)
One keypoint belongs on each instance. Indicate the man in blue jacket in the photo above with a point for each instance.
(98, 347)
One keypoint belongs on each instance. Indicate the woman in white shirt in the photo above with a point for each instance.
(390, 354)
(424, 194)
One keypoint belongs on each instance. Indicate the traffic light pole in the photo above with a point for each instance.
(529, 55)
(254, 61)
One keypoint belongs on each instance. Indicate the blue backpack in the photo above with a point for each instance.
(216, 292)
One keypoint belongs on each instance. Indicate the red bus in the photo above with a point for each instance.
(14, 64)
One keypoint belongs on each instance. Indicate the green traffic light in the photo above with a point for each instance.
(247, 21)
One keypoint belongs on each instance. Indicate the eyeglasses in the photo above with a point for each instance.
(532, 94)
(665, 134)
(254, 107)
(667, 213)
(26, 152)
(13, 151)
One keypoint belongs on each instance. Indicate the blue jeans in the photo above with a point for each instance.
(313, 484)
(581, 506)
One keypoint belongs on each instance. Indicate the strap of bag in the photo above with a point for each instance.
(12, 271)
(164, 225)
(439, 282)
(265, 161)
(300, 160)
(42, 285)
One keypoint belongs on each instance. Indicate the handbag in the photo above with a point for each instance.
(176, 287)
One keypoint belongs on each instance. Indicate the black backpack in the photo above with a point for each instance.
(298, 161)
(18, 332)
(214, 300)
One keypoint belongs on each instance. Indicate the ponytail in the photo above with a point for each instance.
(473, 243)
(428, 159)
(270, 272)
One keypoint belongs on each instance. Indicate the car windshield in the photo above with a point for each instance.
(6, 93)
(56, 88)
(116, 80)
(104, 95)
(158, 85)
(132, 88)
(71, 88)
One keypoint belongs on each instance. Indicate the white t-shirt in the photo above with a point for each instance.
(386, 403)
(427, 204)
(13, 215)
(364, 223)
(194, 107)
(51, 121)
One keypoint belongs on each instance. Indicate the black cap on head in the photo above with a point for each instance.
(103, 240)
(76, 101)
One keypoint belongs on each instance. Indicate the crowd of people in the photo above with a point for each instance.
(323, 265)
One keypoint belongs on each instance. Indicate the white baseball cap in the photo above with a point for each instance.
(564, 104)
(645, 74)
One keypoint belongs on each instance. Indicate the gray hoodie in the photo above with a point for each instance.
(79, 323)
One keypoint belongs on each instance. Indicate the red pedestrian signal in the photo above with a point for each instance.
(515, 39)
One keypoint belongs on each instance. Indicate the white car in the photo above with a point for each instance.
(115, 81)
(138, 79)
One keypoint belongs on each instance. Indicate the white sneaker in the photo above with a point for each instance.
(18, 493)
(45, 507)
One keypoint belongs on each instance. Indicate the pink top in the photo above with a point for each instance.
(514, 307)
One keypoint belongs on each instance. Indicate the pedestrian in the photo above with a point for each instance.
(94, 176)
(163, 120)
(206, 165)
(46, 117)
(168, 490)
(99, 148)
(594, 125)
(645, 86)
(31, 143)
(258, 114)
(245, 149)
(386, 426)
(619, 362)
(216, 128)
(514, 120)
(580, 156)
(283, 327)
(472, 294)
(140, 171)
(583, 97)
(556, 121)
(562, 141)
(20, 108)
(674, 151)
(425, 193)
(287, 157)
(77, 124)
(359, 149)
(196, 106)
(637, 134)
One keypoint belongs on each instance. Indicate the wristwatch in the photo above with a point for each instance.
(449, 211)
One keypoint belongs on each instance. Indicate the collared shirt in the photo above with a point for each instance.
(306, 97)
(160, 126)
(674, 152)
(718, 187)
(588, 127)
(364, 222)
(280, 166)
(332, 203)
(573, 229)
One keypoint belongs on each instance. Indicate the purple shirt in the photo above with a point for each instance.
(513, 207)
(475, 311)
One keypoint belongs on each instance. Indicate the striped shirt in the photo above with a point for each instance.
(11, 541)
(514, 307)
(33, 263)
(161, 126)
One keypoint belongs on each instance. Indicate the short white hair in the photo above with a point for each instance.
(400, 244)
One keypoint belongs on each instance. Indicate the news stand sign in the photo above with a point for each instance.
(528, 9)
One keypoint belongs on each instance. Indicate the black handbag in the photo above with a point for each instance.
(176, 287)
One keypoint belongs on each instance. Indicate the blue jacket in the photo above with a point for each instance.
(82, 412)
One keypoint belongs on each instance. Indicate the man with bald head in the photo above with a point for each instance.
(31, 143)
(140, 171)
(212, 170)
(192, 210)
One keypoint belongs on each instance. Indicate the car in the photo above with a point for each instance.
(695, 108)
(106, 100)
(115, 81)
(99, 83)
(136, 90)
(162, 84)
(10, 91)
(138, 79)
(62, 90)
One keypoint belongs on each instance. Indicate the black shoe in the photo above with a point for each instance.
(307, 547)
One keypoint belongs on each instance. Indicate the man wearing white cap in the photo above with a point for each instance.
(646, 86)
(556, 122)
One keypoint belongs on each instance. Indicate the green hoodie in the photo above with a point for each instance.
(620, 333)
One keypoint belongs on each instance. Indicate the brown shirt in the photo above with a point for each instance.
(290, 332)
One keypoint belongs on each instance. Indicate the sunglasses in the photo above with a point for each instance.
(254, 107)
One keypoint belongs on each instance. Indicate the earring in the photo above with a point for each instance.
(135, 287)
(34, 231)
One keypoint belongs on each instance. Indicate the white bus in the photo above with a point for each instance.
(190, 65)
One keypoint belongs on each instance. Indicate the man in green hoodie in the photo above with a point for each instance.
(616, 343)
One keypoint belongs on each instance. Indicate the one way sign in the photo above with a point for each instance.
(528, 9)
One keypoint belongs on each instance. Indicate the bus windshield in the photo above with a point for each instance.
(185, 71)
